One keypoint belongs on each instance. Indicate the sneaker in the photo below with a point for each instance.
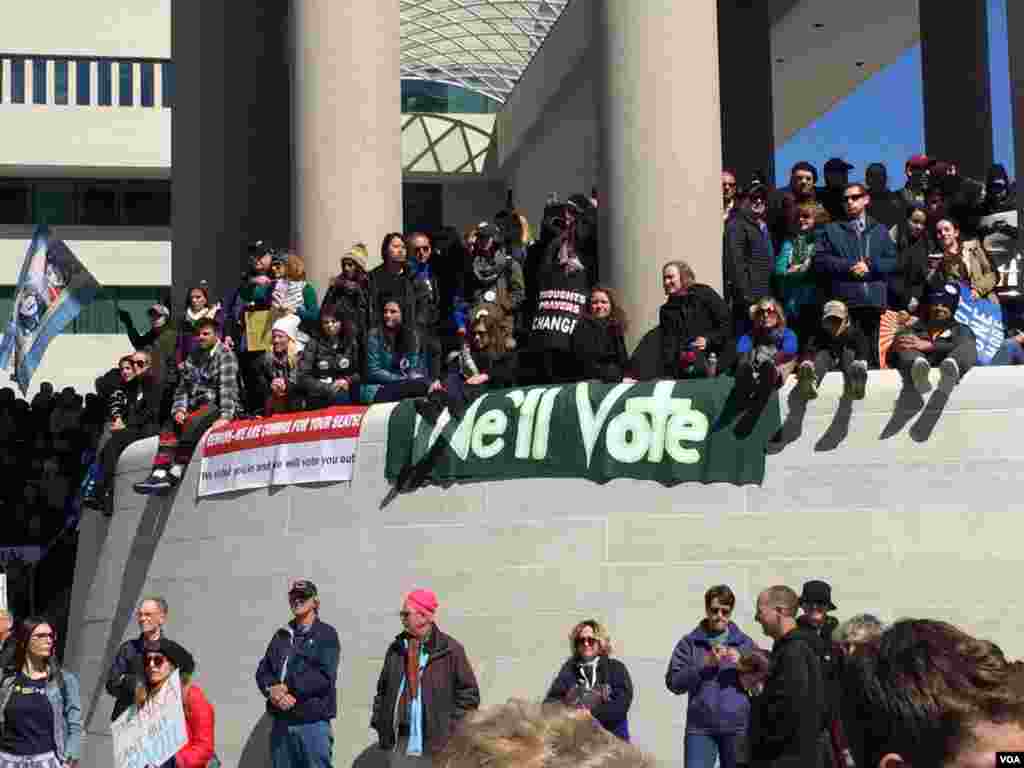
(807, 381)
(919, 374)
(158, 482)
(950, 373)
(858, 379)
(175, 474)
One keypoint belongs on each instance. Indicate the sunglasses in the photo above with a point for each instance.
(849, 198)
(140, 363)
(586, 641)
(766, 311)
(154, 661)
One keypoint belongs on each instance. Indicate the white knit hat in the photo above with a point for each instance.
(289, 326)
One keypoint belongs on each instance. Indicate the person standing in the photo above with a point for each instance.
(590, 679)
(703, 666)
(749, 256)
(6, 639)
(40, 704)
(425, 687)
(126, 672)
(298, 676)
(788, 718)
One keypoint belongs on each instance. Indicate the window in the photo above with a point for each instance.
(39, 81)
(167, 74)
(82, 84)
(146, 203)
(125, 94)
(105, 93)
(101, 315)
(60, 82)
(98, 205)
(427, 96)
(17, 81)
(14, 204)
(146, 69)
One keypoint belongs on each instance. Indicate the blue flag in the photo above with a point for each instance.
(52, 289)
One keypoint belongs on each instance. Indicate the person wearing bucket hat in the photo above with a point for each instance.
(298, 676)
(938, 340)
(331, 365)
(280, 368)
(425, 688)
(837, 346)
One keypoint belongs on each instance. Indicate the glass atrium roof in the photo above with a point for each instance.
(481, 45)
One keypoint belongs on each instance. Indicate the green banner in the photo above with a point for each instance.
(666, 431)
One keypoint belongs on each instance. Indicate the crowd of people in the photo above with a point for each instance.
(825, 694)
(808, 273)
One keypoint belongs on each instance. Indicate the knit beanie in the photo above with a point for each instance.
(424, 600)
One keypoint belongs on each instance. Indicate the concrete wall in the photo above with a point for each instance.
(110, 28)
(906, 509)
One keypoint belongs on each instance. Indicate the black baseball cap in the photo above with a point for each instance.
(302, 588)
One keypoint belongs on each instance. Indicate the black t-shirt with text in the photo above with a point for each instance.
(28, 719)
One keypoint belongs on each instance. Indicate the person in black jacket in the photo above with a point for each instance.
(838, 345)
(940, 340)
(590, 679)
(598, 343)
(331, 365)
(391, 280)
(349, 291)
(693, 325)
(7, 639)
(298, 676)
(135, 416)
(426, 686)
(126, 672)
(749, 255)
(914, 243)
(788, 718)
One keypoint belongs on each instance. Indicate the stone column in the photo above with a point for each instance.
(661, 147)
(345, 120)
(957, 88)
(745, 69)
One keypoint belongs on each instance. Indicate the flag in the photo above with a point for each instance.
(52, 289)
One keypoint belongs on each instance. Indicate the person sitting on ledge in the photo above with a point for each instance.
(330, 367)
(598, 342)
(206, 397)
(940, 340)
(280, 367)
(767, 355)
(838, 346)
(397, 361)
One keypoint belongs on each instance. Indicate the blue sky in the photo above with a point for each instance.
(857, 129)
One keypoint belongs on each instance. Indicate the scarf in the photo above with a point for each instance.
(410, 694)
(207, 311)
(488, 269)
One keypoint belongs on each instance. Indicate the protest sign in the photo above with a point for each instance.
(152, 734)
(985, 318)
(306, 447)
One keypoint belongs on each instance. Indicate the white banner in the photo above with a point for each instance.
(311, 447)
(152, 735)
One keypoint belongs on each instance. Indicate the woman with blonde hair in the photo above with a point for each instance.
(159, 661)
(766, 355)
(590, 679)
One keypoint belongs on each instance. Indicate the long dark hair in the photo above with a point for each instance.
(617, 320)
(386, 242)
(23, 636)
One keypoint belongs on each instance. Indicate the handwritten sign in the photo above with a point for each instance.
(152, 735)
(985, 318)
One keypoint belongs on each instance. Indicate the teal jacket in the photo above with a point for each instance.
(383, 366)
(65, 699)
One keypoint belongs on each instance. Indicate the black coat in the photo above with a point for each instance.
(611, 710)
(125, 674)
(448, 688)
(698, 312)
(324, 361)
(852, 340)
(789, 716)
(599, 350)
(352, 303)
(748, 260)
(830, 654)
(7, 652)
(908, 281)
(396, 286)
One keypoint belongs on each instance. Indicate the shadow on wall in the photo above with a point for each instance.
(143, 547)
(256, 752)
(372, 757)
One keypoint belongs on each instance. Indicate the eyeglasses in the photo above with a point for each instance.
(729, 184)
(297, 600)
(45, 636)
(853, 198)
(403, 615)
(720, 611)
(154, 661)
(586, 641)
(140, 363)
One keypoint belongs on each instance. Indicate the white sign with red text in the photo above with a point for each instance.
(294, 448)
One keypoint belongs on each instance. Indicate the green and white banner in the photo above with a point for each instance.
(667, 431)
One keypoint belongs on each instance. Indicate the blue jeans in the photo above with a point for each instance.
(1010, 353)
(306, 745)
(701, 749)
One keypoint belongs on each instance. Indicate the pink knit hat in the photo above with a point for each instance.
(424, 600)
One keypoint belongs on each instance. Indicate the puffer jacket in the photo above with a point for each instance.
(325, 361)
(62, 689)
(716, 700)
(385, 365)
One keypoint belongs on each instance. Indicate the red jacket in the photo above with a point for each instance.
(198, 751)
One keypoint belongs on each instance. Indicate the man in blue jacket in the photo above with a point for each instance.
(703, 666)
(298, 676)
(853, 258)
